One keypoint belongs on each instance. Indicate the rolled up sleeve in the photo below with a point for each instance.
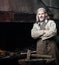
(51, 31)
(36, 32)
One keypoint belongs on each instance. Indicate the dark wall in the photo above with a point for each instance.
(30, 6)
(17, 36)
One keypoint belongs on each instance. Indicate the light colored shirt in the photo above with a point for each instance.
(50, 30)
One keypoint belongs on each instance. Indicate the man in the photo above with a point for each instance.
(44, 30)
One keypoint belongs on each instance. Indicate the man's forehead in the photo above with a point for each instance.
(41, 12)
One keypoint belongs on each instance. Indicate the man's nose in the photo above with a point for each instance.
(40, 15)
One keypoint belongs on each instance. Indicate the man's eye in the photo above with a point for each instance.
(42, 13)
(39, 14)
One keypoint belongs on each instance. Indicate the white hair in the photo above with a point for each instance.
(41, 9)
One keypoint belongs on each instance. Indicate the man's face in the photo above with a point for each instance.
(41, 15)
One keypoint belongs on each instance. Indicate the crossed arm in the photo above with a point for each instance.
(37, 32)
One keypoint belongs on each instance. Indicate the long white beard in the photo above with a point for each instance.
(41, 19)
